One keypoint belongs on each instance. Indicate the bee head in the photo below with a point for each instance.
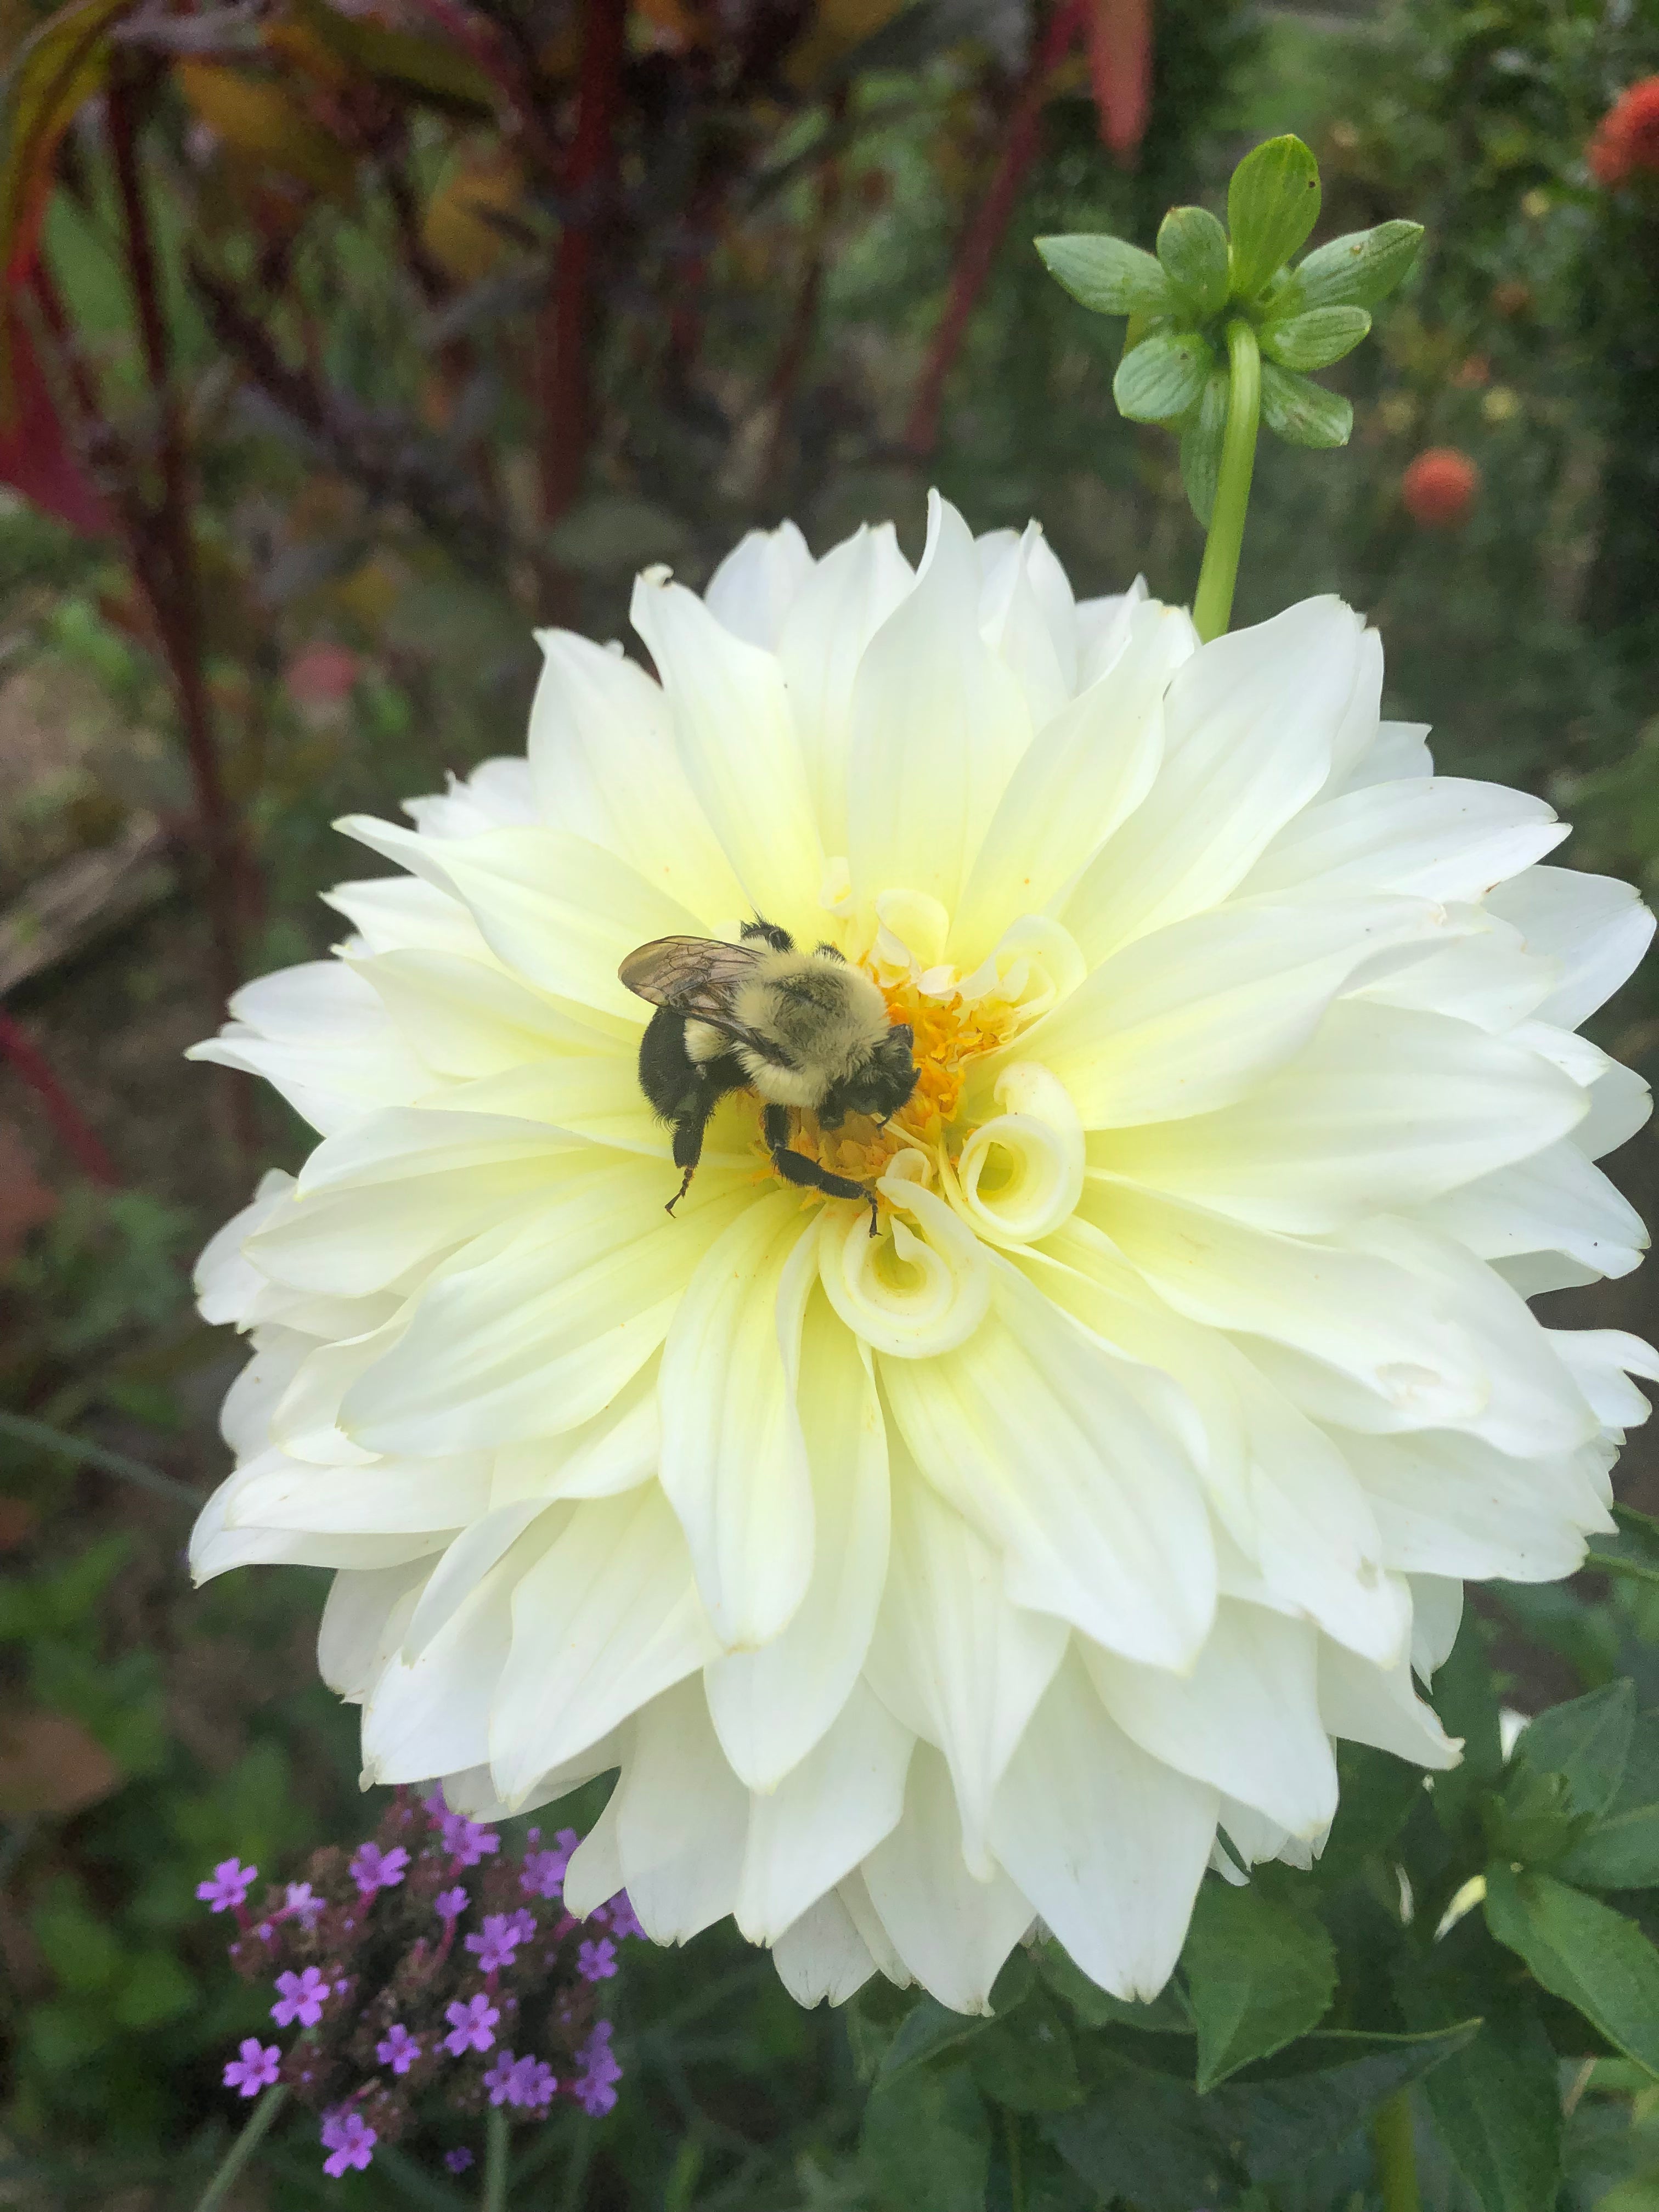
(879, 1086)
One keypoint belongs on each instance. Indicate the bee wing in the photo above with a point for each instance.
(696, 975)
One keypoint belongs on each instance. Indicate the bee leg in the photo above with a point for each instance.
(689, 1128)
(795, 1167)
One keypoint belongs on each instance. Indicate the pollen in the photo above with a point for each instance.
(950, 1033)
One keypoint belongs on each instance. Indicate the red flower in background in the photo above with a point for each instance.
(1627, 138)
(1439, 487)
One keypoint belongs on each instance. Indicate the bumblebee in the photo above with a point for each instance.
(800, 1030)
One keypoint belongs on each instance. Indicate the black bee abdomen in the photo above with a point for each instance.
(675, 1085)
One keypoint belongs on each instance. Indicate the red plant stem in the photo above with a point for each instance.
(177, 607)
(564, 377)
(69, 1123)
(990, 219)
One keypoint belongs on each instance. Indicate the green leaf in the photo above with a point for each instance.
(1201, 437)
(1258, 1976)
(926, 2143)
(156, 1989)
(929, 2028)
(1634, 1551)
(1108, 274)
(432, 69)
(1532, 1822)
(1191, 246)
(1587, 1742)
(1026, 2060)
(1621, 1851)
(1319, 2090)
(1496, 2107)
(1301, 413)
(1272, 203)
(1361, 269)
(1377, 1797)
(1098, 2008)
(1315, 339)
(1585, 1952)
(1145, 2136)
(79, 1947)
(1162, 378)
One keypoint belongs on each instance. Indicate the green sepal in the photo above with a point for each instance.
(1107, 275)
(1359, 270)
(1301, 412)
(1583, 1951)
(1259, 1975)
(1622, 1850)
(1634, 1551)
(1192, 246)
(1201, 434)
(1315, 339)
(1272, 203)
(1164, 377)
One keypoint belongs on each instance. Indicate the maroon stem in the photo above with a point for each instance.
(174, 592)
(69, 1123)
(990, 219)
(564, 378)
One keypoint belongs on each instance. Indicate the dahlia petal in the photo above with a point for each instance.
(952, 1658)
(1602, 1361)
(467, 1019)
(1245, 1720)
(396, 914)
(328, 1084)
(1108, 1844)
(588, 1098)
(564, 912)
(1044, 1441)
(430, 1714)
(758, 583)
(1019, 1176)
(473, 1554)
(937, 725)
(1083, 774)
(473, 1791)
(405, 1142)
(1356, 731)
(1028, 618)
(530, 1331)
(364, 1618)
(1249, 722)
(682, 1816)
(822, 1959)
(601, 737)
(1448, 1505)
(244, 1418)
(225, 1280)
(1483, 973)
(390, 1497)
(771, 1705)
(620, 1446)
(1446, 839)
(1437, 1616)
(838, 609)
(1556, 1201)
(595, 1872)
(1398, 753)
(734, 1463)
(497, 794)
(737, 743)
(1596, 927)
(828, 1813)
(1380, 1706)
(1382, 1109)
(952, 1932)
(855, 1895)
(1187, 1019)
(606, 1620)
(915, 1292)
(1620, 1103)
(216, 1549)
(1102, 630)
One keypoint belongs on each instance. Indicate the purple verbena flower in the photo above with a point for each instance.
(255, 2069)
(372, 1868)
(623, 1919)
(544, 1871)
(302, 1902)
(536, 2082)
(472, 2025)
(595, 2086)
(457, 2159)
(596, 1959)
(300, 1996)
(498, 1945)
(398, 2048)
(351, 2138)
(228, 1886)
(501, 2079)
(450, 1904)
(466, 1839)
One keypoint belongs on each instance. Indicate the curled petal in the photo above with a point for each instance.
(907, 1294)
(1020, 1175)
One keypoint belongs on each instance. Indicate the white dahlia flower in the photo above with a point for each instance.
(1015, 1563)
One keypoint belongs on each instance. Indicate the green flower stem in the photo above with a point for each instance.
(1396, 2154)
(1016, 2165)
(495, 2173)
(259, 2122)
(1213, 605)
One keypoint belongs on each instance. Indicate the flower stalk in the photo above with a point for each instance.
(260, 2122)
(1396, 2154)
(1212, 603)
(495, 2158)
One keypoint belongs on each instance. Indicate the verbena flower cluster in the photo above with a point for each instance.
(426, 1961)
